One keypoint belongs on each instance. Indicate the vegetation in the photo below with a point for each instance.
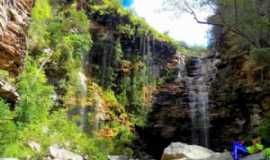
(240, 34)
(124, 21)
(56, 81)
(92, 68)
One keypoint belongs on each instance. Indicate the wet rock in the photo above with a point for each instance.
(57, 153)
(181, 151)
(8, 92)
(14, 18)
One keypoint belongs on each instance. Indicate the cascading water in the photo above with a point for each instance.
(83, 110)
(148, 49)
(197, 89)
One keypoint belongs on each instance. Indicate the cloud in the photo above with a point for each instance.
(182, 28)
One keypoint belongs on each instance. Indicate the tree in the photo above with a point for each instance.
(250, 19)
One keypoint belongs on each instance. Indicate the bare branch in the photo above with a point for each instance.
(234, 29)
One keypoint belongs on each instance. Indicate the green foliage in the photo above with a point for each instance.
(115, 133)
(124, 21)
(41, 13)
(59, 41)
(3, 74)
(126, 29)
(261, 56)
(121, 141)
(64, 31)
(71, 41)
(59, 38)
(132, 90)
(266, 154)
(42, 10)
(35, 103)
(124, 85)
(7, 127)
(264, 129)
(36, 94)
(63, 132)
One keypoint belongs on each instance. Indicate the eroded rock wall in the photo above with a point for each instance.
(14, 20)
(240, 94)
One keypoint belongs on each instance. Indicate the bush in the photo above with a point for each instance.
(8, 130)
(266, 154)
(38, 34)
(261, 56)
(36, 94)
(264, 129)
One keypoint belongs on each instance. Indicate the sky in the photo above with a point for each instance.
(182, 27)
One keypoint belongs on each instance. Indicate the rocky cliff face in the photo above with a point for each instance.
(241, 95)
(171, 116)
(169, 119)
(14, 18)
(238, 101)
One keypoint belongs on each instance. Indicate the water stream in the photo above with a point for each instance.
(83, 94)
(197, 89)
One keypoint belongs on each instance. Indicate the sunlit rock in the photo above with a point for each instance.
(57, 153)
(181, 151)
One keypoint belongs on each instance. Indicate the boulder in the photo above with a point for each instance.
(8, 92)
(122, 157)
(57, 153)
(118, 158)
(181, 151)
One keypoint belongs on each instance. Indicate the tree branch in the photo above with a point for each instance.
(234, 29)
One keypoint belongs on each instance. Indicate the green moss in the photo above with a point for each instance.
(124, 21)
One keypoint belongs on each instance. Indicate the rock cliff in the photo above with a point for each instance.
(14, 18)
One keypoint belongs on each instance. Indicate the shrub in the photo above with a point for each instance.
(36, 94)
(261, 56)
(38, 34)
(266, 154)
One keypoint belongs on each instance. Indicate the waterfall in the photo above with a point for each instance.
(83, 94)
(197, 89)
(200, 72)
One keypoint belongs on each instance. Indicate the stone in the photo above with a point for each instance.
(182, 151)
(58, 153)
(121, 157)
(8, 92)
(118, 158)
